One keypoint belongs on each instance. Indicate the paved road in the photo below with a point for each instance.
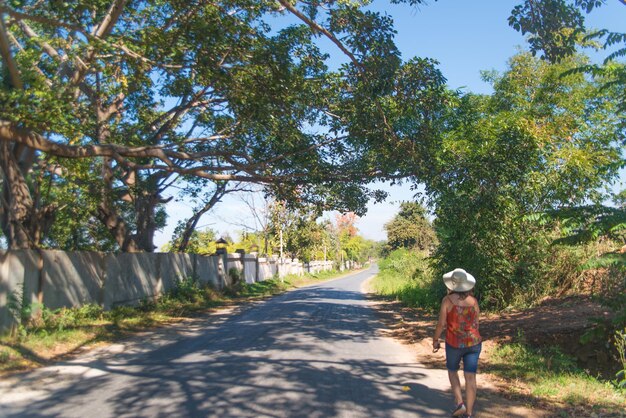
(311, 352)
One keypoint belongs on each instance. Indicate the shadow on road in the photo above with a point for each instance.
(313, 352)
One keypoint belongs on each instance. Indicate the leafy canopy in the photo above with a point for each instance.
(540, 142)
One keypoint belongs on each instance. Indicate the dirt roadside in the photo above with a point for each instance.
(549, 323)
(404, 326)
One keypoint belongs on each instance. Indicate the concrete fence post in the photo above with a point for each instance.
(222, 263)
(242, 255)
(256, 267)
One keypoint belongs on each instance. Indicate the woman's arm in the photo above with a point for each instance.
(441, 323)
(477, 313)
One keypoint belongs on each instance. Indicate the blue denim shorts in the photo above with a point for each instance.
(468, 354)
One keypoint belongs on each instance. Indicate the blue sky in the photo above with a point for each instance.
(465, 36)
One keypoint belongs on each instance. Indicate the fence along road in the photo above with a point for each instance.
(311, 352)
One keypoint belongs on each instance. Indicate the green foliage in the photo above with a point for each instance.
(225, 92)
(410, 229)
(200, 242)
(304, 237)
(75, 226)
(16, 306)
(406, 275)
(556, 28)
(46, 320)
(258, 289)
(591, 222)
(357, 248)
(235, 275)
(613, 296)
(296, 280)
(249, 242)
(553, 25)
(5, 355)
(617, 261)
(307, 238)
(187, 289)
(540, 141)
(346, 242)
(529, 361)
(187, 297)
(620, 345)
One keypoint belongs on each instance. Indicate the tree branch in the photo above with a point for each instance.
(5, 52)
(110, 19)
(317, 27)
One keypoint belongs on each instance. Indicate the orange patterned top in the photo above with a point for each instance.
(462, 329)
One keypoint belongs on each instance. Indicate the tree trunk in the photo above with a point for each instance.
(192, 222)
(16, 202)
(145, 206)
(23, 222)
(108, 215)
(117, 228)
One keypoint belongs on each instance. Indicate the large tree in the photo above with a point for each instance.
(556, 29)
(148, 90)
(410, 228)
(540, 142)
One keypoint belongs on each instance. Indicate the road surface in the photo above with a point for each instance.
(311, 352)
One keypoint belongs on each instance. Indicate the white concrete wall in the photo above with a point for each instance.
(71, 278)
(130, 278)
(174, 267)
(250, 268)
(265, 269)
(67, 279)
(19, 275)
(208, 270)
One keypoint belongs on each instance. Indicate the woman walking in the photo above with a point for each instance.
(459, 316)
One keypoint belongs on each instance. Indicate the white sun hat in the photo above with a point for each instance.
(458, 280)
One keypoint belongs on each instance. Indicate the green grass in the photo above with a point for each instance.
(293, 280)
(276, 285)
(549, 374)
(258, 289)
(54, 333)
(406, 276)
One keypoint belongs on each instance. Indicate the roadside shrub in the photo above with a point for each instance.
(65, 318)
(187, 296)
(235, 275)
(408, 277)
(610, 291)
(5, 355)
(520, 268)
(306, 278)
(188, 290)
(620, 345)
(119, 313)
(22, 312)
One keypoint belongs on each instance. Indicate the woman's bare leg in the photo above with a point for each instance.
(470, 392)
(455, 382)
